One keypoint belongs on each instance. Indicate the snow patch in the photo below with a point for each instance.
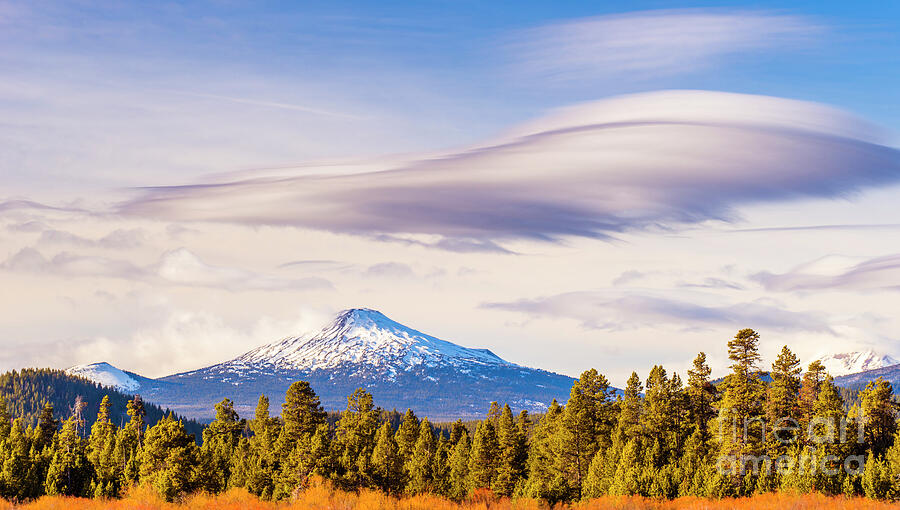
(107, 375)
(853, 362)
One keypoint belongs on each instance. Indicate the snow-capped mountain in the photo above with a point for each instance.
(367, 337)
(854, 362)
(106, 375)
(400, 366)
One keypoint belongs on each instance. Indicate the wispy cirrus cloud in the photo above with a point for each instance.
(649, 44)
(837, 273)
(645, 161)
(122, 238)
(617, 311)
(174, 267)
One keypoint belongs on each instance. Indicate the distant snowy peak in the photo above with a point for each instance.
(854, 362)
(363, 336)
(106, 375)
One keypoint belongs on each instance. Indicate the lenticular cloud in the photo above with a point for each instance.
(663, 159)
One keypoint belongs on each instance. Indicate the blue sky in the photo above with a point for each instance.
(469, 168)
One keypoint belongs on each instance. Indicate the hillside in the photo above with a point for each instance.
(27, 390)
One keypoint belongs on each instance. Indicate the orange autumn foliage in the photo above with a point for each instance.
(323, 497)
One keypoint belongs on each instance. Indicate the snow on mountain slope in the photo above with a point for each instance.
(368, 337)
(361, 348)
(853, 362)
(107, 375)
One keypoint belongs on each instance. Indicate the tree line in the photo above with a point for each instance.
(661, 437)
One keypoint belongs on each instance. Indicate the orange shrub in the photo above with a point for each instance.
(322, 496)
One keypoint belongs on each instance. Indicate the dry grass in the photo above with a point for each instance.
(323, 497)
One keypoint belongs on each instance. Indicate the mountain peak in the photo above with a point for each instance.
(105, 374)
(857, 361)
(363, 348)
(366, 337)
(361, 316)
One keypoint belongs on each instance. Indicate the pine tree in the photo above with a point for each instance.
(741, 408)
(46, 427)
(129, 442)
(302, 413)
(544, 481)
(386, 462)
(169, 459)
(483, 456)
(782, 406)
(420, 465)
(585, 429)
(701, 394)
(809, 392)
(827, 414)
(355, 440)
(407, 434)
(494, 412)
(18, 476)
(659, 417)
(742, 400)
(877, 408)
(628, 470)
(457, 430)
(256, 462)
(440, 467)
(5, 419)
(220, 439)
(136, 413)
(69, 472)
(877, 479)
(311, 456)
(510, 464)
(101, 452)
(459, 469)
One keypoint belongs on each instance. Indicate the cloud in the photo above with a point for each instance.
(654, 43)
(183, 267)
(29, 260)
(177, 341)
(836, 272)
(859, 226)
(712, 283)
(175, 267)
(118, 239)
(267, 104)
(390, 270)
(618, 311)
(628, 276)
(645, 161)
(28, 226)
(313, 264)
(456, 245)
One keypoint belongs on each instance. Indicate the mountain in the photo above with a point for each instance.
(27, 390)
(854, 362)
(859, 380)
(400, 366)
(109, 376)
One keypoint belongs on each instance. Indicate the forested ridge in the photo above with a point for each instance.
(27, 391)
(664, 437)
